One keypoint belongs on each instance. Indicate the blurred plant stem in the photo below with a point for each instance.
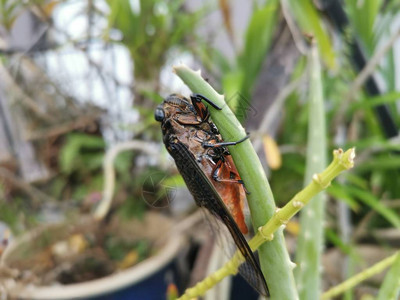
(109, 172)
(365, 274)
(311, 238)
(390, 288)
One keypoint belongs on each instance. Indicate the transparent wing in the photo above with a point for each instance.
(249, 270)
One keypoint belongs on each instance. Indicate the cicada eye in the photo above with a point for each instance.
(159, 114)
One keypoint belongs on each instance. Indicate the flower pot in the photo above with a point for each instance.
(146, 280)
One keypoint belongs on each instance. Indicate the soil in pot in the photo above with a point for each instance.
(88, 250)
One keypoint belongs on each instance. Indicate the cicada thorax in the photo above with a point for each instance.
(184, 111)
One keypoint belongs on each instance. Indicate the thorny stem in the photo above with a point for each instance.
(342, 161)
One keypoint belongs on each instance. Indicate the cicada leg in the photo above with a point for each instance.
(197, 98)
(233, 176)
(222, 144)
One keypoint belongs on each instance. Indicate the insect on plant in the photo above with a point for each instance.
(207, 167)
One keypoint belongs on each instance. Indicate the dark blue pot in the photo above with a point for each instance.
(152, 288)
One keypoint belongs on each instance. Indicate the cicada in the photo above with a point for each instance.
(207, 167)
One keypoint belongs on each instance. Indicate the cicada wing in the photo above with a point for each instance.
(229, 243)
(250, 269)
(206, 196)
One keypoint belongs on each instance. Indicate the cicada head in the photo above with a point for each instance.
(180, 111)
(173, 112)
(172, 106)
(159, 114)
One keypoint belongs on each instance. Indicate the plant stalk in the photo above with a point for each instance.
(353, 281)
(390, 288)
(311, 239)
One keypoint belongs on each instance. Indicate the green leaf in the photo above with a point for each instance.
(388, 70)
(258, 38)
(123, 162)
(372, 201)
(257, 41)
(170, 183)
(151, 31)
(366, 143)
(231, 82)
(340, 194)
(9, 12)
(381, 162)
(391, 97)
(390, 289)
(335, 239)
(174, 181)
(310, 22)
(356, 180)
(363, 15)
(70, 156)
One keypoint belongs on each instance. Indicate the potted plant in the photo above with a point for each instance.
(99, 256)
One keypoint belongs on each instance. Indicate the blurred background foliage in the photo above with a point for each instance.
(81, 76)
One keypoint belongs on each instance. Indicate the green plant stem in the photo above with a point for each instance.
(391, 285)
(342, 161)
(311, 238)
(274, 258)
(353, 281)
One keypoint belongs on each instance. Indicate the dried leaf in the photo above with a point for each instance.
(293, 227)
(226, 14)
(272, 153)
(77, 243)
(129, 260)
(172, 292)
(48, 8)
